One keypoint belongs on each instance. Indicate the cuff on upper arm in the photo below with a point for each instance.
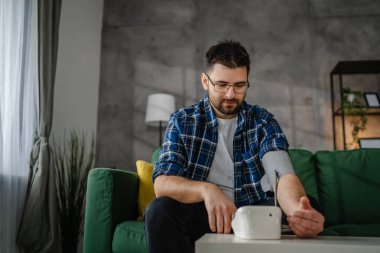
(275, 161)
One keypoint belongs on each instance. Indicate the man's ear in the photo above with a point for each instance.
(204, 81)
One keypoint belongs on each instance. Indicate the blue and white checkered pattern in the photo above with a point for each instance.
(191, 139)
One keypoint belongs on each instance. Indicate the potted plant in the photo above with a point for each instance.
(354, 107)
(72, 161)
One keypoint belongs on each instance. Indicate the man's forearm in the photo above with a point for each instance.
(289, 192)
(179, 188)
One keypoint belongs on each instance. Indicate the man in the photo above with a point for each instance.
(218, 155)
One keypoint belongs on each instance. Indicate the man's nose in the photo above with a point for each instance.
(230, 94)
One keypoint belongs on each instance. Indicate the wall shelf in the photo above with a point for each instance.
(341, 69)
(371, 111)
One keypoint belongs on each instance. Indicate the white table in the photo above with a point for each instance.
(222, 243)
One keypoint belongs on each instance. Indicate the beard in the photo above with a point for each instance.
(227, 106)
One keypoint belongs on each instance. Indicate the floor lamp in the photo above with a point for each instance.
(158, 109)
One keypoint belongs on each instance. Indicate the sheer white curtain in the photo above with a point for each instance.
(18, 80)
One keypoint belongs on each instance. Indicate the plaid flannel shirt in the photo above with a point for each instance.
(191, 139)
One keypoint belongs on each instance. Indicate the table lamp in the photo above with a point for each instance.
(158, 109)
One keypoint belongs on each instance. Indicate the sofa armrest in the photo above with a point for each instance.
(110, 199)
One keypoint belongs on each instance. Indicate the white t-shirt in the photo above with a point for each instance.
(222, 168)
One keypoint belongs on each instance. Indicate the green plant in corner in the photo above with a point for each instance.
(354, 107)
(72, 160)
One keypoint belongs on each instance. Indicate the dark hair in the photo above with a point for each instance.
(228, 53)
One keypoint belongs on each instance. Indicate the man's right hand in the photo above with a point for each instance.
(219, 208)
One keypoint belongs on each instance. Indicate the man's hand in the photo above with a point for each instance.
(305, 221)
(219, 208)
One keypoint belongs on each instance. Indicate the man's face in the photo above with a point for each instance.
(225, 104)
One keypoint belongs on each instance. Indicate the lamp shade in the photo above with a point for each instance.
(159, 108)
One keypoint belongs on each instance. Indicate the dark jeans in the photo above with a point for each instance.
(171, 226)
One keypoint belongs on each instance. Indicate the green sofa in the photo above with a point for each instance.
(346, 184)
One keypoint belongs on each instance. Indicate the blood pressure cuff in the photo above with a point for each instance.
(275, 161)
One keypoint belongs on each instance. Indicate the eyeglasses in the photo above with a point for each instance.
(223, 87)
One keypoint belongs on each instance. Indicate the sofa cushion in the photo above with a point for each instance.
(369, 230)
(349, 186)
(146, 191)
(129, 237)
(303, 163)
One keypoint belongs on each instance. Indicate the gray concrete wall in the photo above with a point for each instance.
(159, 46)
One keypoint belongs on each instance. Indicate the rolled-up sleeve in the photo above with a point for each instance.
(272, 137)
(172, 160)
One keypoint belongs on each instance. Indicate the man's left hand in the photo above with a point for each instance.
(305, 221)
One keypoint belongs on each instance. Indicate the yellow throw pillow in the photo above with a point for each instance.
(146, 191)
